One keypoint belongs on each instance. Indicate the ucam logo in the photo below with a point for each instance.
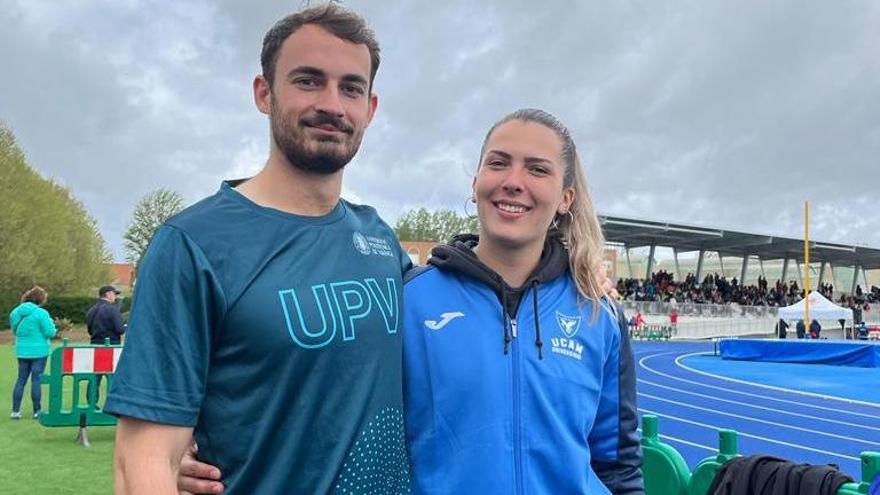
(567, 346)
(339, 307)
(568, 324)
(445, 318)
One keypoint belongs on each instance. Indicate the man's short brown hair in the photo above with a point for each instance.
(339, 21)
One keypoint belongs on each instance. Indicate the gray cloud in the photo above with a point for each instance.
(716, 113)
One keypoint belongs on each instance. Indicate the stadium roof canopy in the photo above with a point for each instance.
(633, 233)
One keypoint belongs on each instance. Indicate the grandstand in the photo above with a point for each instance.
(740, 298)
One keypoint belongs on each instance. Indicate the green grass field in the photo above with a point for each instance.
(35, 459)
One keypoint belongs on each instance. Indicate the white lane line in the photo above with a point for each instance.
(756, 437)
(769, 387)
(683, 441)
(756, 420)
(755, 406)
(748, 394)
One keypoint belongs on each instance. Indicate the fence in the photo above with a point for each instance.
(75, 369)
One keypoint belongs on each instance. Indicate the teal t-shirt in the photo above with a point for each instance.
(278, 337)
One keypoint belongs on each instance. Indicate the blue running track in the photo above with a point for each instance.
(806, 413)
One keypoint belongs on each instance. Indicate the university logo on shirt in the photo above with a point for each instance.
(315, 317)
(568, 324)
(367, 245)
(567, 346)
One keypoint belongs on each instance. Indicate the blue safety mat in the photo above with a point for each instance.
(809, 413)
(838, 381)
(837, 352)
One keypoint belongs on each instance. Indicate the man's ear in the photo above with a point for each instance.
(262, 94)
(374, 104)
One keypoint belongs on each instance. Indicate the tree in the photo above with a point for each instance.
(433, 226)
(151, 212)
(46, 235)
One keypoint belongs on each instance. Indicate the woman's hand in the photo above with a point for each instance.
(197, 477)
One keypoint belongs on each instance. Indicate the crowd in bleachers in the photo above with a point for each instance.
(718, 289)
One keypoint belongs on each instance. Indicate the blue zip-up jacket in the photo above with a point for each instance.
(515, 390)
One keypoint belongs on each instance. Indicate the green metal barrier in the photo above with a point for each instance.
(652, 332)
(705, 470)
(666, 473)
(83, 364)
(870, 470)
(664, 469)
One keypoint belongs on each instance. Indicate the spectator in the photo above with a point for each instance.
(801, 329)
(815, 329)
(104, 321)
(782, 329)
(32, 327)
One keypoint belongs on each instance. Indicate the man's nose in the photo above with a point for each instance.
(329, 101)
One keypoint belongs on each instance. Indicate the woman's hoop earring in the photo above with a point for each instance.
(466, 212)
(570, 216)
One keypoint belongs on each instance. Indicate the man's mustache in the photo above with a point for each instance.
(321, 119)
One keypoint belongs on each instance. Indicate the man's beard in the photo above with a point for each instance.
(325, 155)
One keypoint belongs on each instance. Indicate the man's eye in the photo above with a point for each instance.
(308, 82)
(353, 90)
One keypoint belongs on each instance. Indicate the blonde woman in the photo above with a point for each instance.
(518, 375)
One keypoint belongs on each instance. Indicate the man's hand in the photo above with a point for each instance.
(197, 477)
(606, 283)
(147, 457)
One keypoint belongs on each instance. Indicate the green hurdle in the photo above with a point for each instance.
(82, 363)
(666, 473)
(653, 332)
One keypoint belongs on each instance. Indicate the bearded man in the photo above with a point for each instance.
(266, 318)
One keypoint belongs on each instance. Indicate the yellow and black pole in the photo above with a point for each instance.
(807, 263)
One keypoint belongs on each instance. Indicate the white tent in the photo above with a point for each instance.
(820, 309)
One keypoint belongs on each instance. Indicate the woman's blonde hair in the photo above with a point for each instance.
(36, 295)
(578, 229)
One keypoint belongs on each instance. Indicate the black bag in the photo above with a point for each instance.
(768, 475)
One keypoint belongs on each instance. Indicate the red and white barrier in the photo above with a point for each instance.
(90, 359)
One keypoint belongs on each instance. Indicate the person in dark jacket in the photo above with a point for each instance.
(782, 329)
(815, 329)
(103, 321)
(801, 329)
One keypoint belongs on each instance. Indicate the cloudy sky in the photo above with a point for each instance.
(726, 114)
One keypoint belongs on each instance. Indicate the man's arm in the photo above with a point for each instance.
(118, 326)
(147, 457)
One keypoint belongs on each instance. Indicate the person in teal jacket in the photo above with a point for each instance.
(32, 327)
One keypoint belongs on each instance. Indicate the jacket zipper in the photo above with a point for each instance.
(517, 419)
